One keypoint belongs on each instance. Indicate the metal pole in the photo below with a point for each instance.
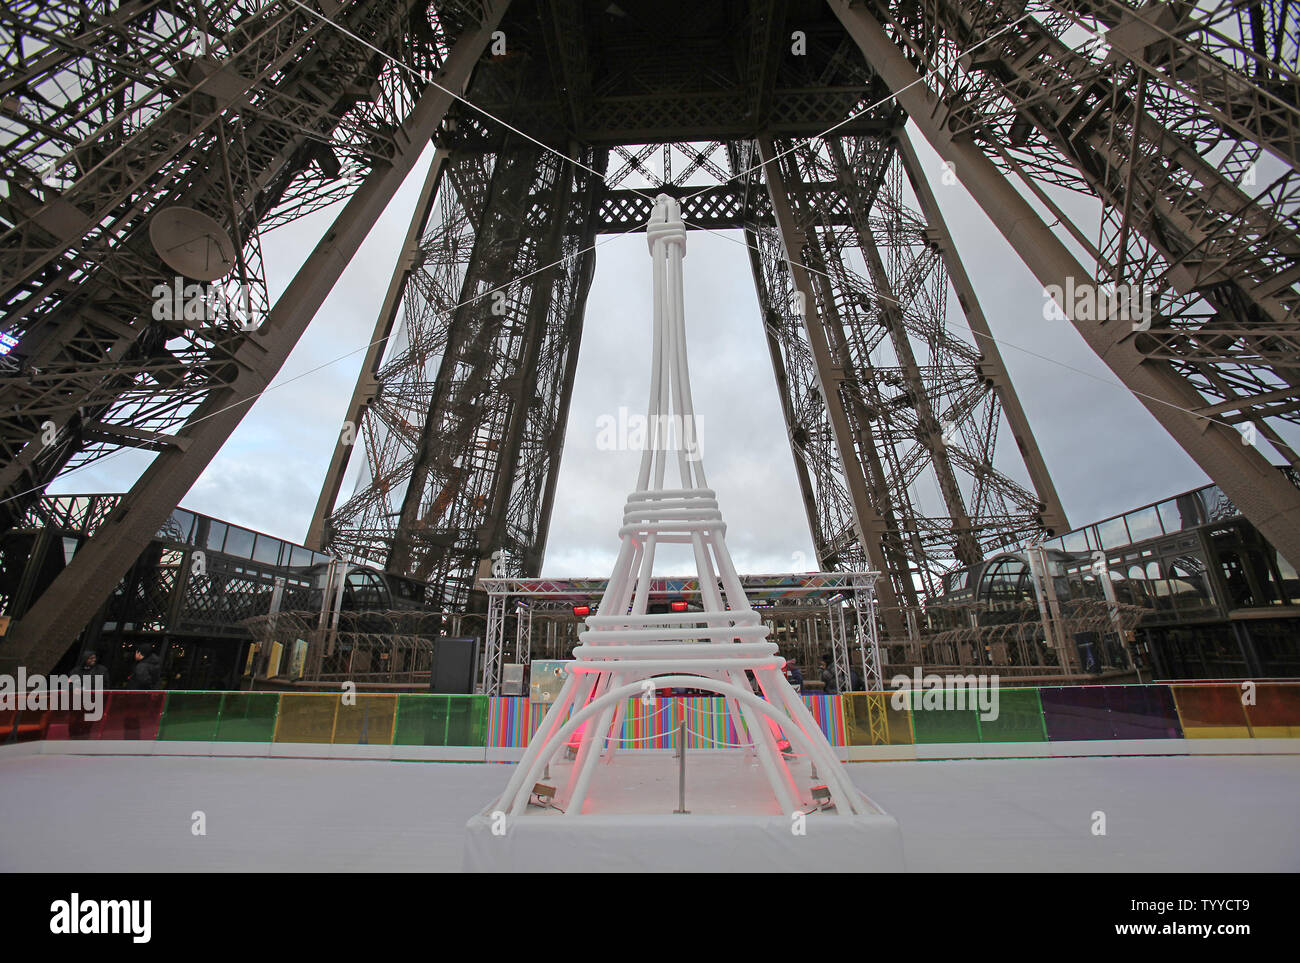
(681, 769)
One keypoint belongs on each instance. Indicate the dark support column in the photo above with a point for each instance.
(1262, 493)
(870, 524)
(54, 622)
(364, 392)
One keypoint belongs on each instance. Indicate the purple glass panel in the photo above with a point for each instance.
(1143, 712)
(1076, 713)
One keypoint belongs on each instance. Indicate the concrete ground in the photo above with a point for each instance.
(136, 813)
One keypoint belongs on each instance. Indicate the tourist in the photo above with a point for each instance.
(828, 676)
(147, 673)
(794, 677)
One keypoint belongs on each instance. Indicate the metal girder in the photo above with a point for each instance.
(245, 113)
(672, 71)
(728, 206)
(869, 527)
(990, 366)
(1163, 118)
(1263, 494)
(462, 443)
(910, 398)
(366, 392)
(54, 621)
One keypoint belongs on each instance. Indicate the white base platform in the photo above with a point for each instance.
(686, 843)
(733, 824)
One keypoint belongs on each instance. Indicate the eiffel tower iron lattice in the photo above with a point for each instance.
(791, 122)
(626, 652)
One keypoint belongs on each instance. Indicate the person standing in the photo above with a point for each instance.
(828, 676)
(91, 669)
(794, 677)
(147, 673)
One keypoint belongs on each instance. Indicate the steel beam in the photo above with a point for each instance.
(53, 622)
(367, 381)
(991, 364)
(1262, 493)
(870, 525)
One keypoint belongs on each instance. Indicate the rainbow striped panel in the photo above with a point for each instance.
(509, 722)
(829, 713)
(708, 726)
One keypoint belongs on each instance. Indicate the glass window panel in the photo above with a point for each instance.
(1076, 713)
(300, 557)
(1142, 712)
(306, 718)
(1216, 708)
(239, 541)
(132, 715)
(1113, 533)
(933, 722)
(267, 550)
(248, 717)
(216, 535)
(1020, 718)
(179, 526)
(1143, 524)
(368, 721)
(190, 716)
(1075, 541)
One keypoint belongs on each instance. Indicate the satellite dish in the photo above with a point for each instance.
(192, 244)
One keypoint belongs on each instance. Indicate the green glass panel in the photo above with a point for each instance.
(190, 717)
(1019, 718)
(933, 721)
(421, 720)
(248, 717)
(467, 721)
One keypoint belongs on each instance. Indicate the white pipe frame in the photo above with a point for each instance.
(623, 646)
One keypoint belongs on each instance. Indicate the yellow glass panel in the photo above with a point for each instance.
(870, 718)
(1216, 732)
(306, 717)
(367, 723)
(1276, 732)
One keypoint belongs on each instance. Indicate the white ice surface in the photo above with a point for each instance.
(134, 813)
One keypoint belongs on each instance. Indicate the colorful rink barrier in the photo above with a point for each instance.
(1135, 718)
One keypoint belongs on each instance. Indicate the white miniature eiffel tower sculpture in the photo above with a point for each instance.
(626, 653)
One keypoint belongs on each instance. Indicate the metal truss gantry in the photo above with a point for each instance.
(844, 598)
(1174, 122)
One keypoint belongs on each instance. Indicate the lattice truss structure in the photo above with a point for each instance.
(849, 197)
(1155, 143)
(1182, 119)
(461, 436)
(251, 113)
(922, 416)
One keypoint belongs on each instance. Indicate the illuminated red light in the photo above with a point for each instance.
(678, 606)
(581, 610)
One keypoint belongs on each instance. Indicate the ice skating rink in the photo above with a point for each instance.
(70, 813)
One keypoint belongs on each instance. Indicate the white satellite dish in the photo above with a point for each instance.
(192, 244)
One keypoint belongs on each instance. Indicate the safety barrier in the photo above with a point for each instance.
(919, 718)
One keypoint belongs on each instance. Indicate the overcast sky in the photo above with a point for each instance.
(1105, 452)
